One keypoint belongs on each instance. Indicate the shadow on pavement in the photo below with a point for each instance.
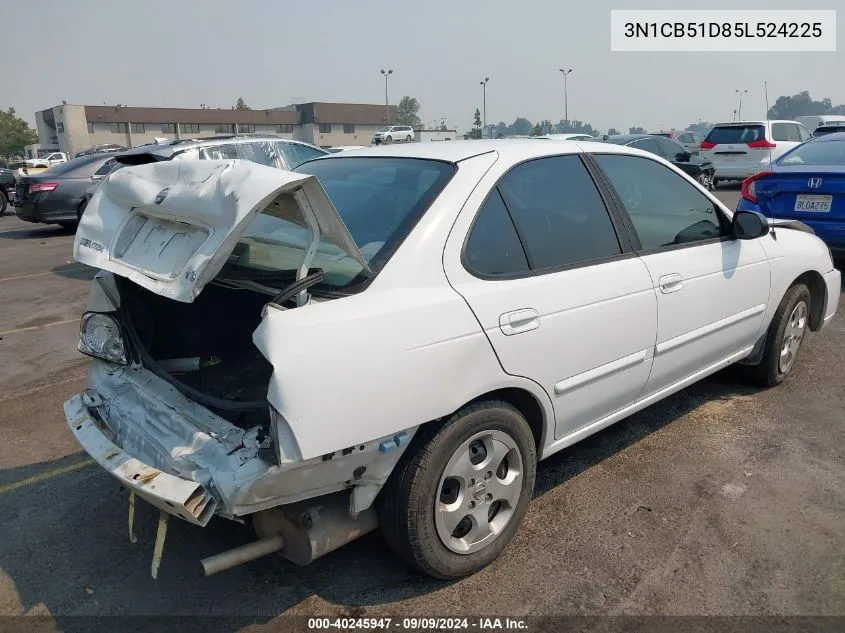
(65, 546)
(37, 232)
(75, 270)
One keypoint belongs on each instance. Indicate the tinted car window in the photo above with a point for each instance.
(306, 153)
(647, 144)
(664, 208)
(558, 212)
(734, 134)
(804, 133)
(104, 168)
(493, 246)
(826, 152)
(792, 133)
(669, 149)
(780, 131)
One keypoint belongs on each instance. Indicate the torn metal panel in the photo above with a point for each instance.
(170, 226)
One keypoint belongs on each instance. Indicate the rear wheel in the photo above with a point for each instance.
(408, 138)
(4, 202)
(784, 338)
(459, 493)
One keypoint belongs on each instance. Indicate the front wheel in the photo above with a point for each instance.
(408, 138)
(783, 340)
(388, 139)
(461, 490)
(4, 202)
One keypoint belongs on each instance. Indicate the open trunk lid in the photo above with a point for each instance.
(170, 226)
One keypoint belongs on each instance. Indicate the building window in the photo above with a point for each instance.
(349, 128)
(119, 128)
(60, 127)
(246, 128)
(169, 128)
(138, 128)
(190, 128)
(223, 128)
(90, 127)
(325, 128)
(285, 128)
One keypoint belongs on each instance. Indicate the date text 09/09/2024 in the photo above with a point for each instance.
(419, 624)
(723, 29)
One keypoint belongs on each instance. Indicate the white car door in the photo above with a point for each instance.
(557, 290)
(712, 290)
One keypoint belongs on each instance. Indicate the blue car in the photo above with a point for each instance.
(806, 184)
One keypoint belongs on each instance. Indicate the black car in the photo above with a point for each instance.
(7, 188)
(695, 166)
(829, 128)
(57, 196)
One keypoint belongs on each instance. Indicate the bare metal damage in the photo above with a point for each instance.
(155, 424)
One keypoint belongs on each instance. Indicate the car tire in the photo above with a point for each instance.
(408, 138)
(388, 139)
(784, 337)
(4, 202)
(437, 472)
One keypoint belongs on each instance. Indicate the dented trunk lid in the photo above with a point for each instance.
(170, 226)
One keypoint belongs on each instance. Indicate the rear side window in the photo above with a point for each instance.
(493, 247)
(558, 212)
(665, 209)
(781, 132)
(736, 134)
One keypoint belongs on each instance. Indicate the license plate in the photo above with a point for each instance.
(814, 204)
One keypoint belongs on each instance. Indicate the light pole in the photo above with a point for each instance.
(386, 74)
(740, 93)
(484, 103)
(565, 96)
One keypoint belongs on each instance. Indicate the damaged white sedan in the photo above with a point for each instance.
(394, 336)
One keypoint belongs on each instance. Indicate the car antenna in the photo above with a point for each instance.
(766, 92)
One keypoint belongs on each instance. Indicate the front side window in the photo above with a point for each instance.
(379, 201)
(665, 209)
(493, 247)
(558, 212)
(669, 149)
(648, 144)
(804, 134)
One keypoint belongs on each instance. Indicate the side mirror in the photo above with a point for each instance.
(749, 225)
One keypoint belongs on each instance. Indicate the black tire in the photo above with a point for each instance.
(770, 372)
(406, 503)
(388, 139)
(80, 210)
(4, 202)
(408, 138)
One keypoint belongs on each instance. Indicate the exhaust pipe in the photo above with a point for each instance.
(243, 554)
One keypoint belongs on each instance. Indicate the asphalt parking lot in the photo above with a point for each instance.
(719, 500)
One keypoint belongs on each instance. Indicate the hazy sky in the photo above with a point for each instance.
(186, 52)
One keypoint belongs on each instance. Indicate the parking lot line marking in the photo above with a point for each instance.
(49, 272)
(38, 327)
(50, 474)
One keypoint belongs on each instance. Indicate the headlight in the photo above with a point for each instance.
(99, 336)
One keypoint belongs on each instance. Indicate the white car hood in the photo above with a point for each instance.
(170, 226)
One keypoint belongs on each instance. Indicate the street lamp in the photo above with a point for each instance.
(484, 102)
(740, 93)
(386, 74)
(565, 96)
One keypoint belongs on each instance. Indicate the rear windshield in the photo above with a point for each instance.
(72, 165)
(735, 134)
(828, 129)
(379, 200)
(826, 152)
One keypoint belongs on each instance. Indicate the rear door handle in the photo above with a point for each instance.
(671, 283)
(519, 321)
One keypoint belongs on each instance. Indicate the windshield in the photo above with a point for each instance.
(379, 200)
(827, 152)
(736, 134)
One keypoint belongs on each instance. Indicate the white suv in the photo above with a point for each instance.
(743, 148)
(393, 133)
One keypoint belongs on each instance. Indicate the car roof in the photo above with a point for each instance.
(169, 149)
(456, 151)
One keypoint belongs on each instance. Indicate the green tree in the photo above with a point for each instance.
(612, 132)
(802, 104)
(475, 132)
(407, 113)
(15, 133)
(240, 104)
(636, 130)
(520, 127)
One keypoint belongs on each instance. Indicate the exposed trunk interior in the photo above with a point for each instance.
(214, 332)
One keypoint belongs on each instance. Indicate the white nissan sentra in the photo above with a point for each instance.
(395, 336)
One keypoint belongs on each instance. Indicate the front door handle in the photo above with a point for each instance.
(671, 283)
(519, 321)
